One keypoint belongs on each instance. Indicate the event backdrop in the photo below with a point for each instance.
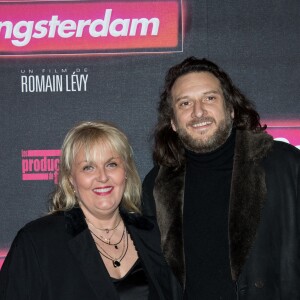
(67, 61)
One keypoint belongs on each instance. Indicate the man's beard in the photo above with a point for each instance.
(210, 143)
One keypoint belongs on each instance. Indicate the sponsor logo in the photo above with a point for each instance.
(284, 130)
(90, 27)
(40, 164)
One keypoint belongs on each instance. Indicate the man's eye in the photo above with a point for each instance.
(210, 98)
(184, 103)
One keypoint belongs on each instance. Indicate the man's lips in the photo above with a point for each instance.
(201, 124)
(103, 190)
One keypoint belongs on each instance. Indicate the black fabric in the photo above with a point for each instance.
(55, 258)
(263, 217)
(134, 285)
(205, 225)
(247, 197)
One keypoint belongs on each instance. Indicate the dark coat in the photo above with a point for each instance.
(55, 258)
(264, 217)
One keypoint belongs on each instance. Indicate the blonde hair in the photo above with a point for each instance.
(86, 135)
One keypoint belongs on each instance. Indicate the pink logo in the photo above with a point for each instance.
(284, 130)
(90, 27)
(40, 164)
(3, 253)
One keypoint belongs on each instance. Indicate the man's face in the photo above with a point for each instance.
(201, 119)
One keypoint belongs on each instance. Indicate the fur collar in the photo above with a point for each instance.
(248, 193)
(168, 194)
(247, 197)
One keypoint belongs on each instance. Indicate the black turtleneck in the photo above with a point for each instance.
(206, 206)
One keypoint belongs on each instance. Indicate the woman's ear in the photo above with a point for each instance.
(71, 181)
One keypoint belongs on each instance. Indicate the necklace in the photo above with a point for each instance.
(115, 261)
(107, 230)
(102, 238)
(107, 241)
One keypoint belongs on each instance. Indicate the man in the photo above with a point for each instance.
(225, 194)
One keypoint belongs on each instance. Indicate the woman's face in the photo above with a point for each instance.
(99, 183)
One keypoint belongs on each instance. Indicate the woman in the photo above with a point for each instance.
(95, 244)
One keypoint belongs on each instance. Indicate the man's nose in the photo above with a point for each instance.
(198, 109)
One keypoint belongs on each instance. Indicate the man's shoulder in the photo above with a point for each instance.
(148, 203)
(286, 150)
(151, 175)
(283, 157)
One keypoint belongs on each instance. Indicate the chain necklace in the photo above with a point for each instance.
(107, 241)
(115, 261)
(102, 238)
(107, 230)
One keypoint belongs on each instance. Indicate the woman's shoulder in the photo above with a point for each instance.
(44, 224)
(41, 233)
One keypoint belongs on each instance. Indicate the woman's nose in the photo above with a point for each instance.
(102, 176)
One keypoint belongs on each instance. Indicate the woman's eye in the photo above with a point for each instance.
(112, 165)
(87, 168)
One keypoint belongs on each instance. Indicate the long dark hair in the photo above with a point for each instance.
(168, 149)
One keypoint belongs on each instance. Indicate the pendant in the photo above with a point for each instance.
(106, 230)
(116, 247)
(116, 263)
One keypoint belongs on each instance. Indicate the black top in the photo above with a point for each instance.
(206, 206)
(134, 285)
